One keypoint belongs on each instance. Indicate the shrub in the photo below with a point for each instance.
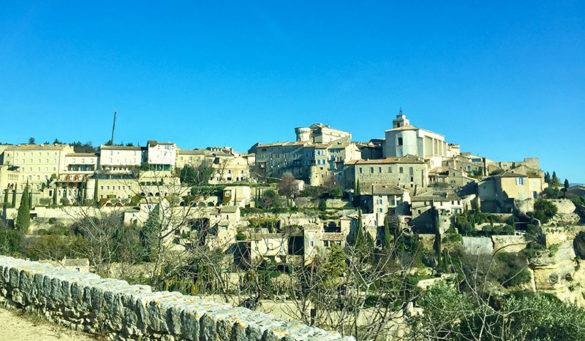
(241, 236)
(544, 210)
(511, 269)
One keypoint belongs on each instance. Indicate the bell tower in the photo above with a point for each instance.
(400, 120)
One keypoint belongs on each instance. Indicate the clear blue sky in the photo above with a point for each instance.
(503, 79)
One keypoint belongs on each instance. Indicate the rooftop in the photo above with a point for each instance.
(389, 160)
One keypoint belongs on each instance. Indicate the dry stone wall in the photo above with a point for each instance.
(115, 309)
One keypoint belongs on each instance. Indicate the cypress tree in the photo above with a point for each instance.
(555, 180)
(547, 177)
(359, 235)
(566, 187)
(5, 204)
(150, 233)
(14, 197)
(55, 196)
(356, 194)
(23, 217)
(95, 192)
(387, 235)
(438, 247)
(80, 194)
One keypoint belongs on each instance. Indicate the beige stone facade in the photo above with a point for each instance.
(408, 172)
(316, 156)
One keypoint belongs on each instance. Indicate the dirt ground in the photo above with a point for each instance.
(17, 327)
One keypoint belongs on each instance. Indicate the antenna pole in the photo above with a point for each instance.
(113, 127)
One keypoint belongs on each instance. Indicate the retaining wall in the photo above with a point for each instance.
(118, 310)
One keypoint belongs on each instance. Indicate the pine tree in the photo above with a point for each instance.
(387, 235)
(23, 217)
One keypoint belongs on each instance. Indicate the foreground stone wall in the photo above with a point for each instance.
(116, 309)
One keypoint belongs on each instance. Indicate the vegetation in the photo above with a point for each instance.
(453, 313)
(23, 216)
(544, 210)
(196, 176)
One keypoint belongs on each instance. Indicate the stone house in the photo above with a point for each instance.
(499, 193)
(408, 172)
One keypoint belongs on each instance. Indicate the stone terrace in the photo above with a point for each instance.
(113, 308)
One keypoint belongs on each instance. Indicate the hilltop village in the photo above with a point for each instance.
(298, 203)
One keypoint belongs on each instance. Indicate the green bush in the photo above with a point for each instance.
(544, 210)
(10, 241)
(511, 269)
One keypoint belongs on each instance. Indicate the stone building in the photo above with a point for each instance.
(450, 177)
(120, 159)
(429, 207)
(404, 139)
(410, 172)
(502, 192)
(37, 165)
(319, 153)
(161, 156)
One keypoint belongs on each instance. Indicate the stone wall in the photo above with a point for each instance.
(478, 245)
(115, 309)
(509, 243)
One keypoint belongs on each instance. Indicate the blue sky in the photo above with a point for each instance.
(502, 79)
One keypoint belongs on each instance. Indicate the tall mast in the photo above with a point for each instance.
(114, 127)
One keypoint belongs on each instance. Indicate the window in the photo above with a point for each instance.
(360, 170)
(379, 169)
(520, 181)
(372, 170)
(411, 171)
(389, 169)
(401, 170)
(400, 141)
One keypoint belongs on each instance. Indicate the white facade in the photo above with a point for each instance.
(162, 154)
(119, 158)
(404, 139)
(81, 163)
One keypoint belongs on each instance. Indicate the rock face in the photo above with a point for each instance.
(559, 273)
(565, 212)
(121, 311)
